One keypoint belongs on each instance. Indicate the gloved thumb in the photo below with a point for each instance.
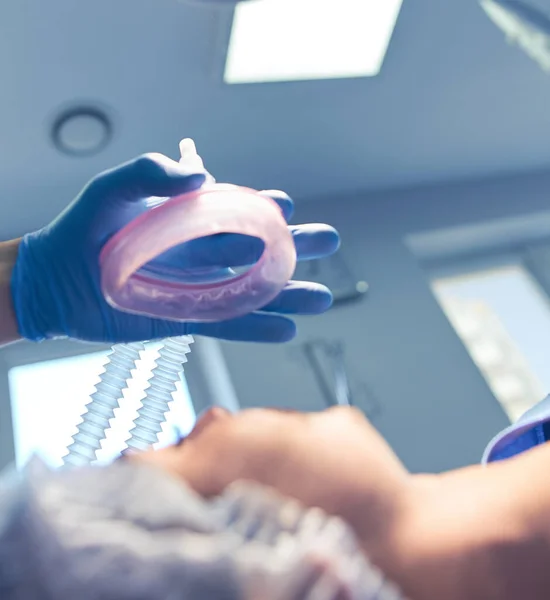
(145, 176)
(254, 327)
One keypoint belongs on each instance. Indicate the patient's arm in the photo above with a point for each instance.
(476, 533)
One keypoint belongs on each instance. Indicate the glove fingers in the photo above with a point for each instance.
(219, 251)
(301, 298)
(157, 175)
(315, 240)
(298, 297)
(283, 200)
(233, 250)
(145, 176)
(256, 327)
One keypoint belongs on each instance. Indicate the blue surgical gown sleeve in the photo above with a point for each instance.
(526, 433)
(132, 532)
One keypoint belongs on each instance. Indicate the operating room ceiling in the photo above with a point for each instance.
(453, 101)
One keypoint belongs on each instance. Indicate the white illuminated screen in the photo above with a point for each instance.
(290, 40)
(48, 398)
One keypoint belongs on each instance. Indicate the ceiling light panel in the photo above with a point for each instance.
(293, 40)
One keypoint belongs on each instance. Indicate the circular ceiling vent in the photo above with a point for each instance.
(82, 131)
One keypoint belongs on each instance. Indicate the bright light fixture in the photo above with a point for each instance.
(524, 25)
(292, 40)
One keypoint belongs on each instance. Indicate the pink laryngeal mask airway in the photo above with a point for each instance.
(215, 208)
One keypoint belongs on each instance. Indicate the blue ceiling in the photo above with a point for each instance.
(453, 101)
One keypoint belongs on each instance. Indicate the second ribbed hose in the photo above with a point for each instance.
(162, 384)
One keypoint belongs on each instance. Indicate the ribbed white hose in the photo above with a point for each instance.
(101, 407)
(162, 384)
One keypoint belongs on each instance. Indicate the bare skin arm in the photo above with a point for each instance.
(8, 324)
(479, 533)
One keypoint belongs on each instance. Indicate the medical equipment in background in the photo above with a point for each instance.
(131, 283)
(335, 273)
(524, 25)
(337, 382)
(325, 359)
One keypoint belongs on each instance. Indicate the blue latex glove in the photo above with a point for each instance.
(56, 280)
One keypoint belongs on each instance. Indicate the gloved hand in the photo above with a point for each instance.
(56, 280)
